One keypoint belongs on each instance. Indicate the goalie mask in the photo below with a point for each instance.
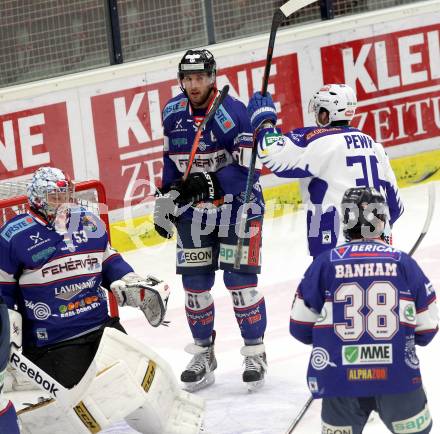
(365, 213)
(49, 189)
(339, 100)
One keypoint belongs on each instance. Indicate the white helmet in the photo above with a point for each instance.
(47, 181)
(338, 99)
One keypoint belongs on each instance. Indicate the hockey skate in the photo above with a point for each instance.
(255, 366)
(200, 370)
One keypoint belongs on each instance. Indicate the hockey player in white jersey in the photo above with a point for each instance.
(329, 158)
(56, 265)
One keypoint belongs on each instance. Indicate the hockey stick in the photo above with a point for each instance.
(66, 397)
(431, 206)
(211, 112)
(279, 15)
(428, 219)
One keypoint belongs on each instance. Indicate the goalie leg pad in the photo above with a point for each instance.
(97, 408)
(50, 416)
(164, 406)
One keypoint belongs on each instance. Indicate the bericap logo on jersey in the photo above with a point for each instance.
(175, 107)
(223, 119)
(364, 251)
(16, 227)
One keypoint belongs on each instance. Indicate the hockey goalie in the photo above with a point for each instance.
(55, 261)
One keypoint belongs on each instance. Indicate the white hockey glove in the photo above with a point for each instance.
(149, 294)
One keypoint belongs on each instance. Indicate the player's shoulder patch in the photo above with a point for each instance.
(174, 106)
(224, 119)
(364, 250)
(17, 225)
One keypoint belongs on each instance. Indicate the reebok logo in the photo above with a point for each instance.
(49, 386)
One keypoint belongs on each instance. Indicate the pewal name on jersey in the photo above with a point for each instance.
(364, 251)
(366, 269)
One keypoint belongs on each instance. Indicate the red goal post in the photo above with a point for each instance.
(90, 194)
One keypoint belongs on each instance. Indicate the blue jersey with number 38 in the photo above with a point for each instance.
(364, 306)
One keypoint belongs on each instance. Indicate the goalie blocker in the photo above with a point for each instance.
(132, 383)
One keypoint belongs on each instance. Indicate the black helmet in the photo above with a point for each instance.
(361, 210)
(194, 61)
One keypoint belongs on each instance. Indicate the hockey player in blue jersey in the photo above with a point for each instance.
(8, 417)
(328, 159)
(364, 306)
(55, 262)
(208, 203)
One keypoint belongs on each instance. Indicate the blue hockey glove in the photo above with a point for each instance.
(261, 108)
(199, 186)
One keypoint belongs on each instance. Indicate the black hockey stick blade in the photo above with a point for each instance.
(220, 98)
(431, 207)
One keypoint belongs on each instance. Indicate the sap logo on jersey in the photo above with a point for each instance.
(331, 429)
(417, 423)
(367, 354)
(194, 257)
(16, 227)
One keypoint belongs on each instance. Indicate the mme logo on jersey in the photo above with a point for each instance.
(371, 354)
(16, 227)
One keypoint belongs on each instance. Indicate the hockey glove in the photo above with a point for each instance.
(260, 109)
(149, 294)
(199, 186)
(165, 212)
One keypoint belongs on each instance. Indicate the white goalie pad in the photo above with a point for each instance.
(132, 382)
(112, 395)
(166, 408)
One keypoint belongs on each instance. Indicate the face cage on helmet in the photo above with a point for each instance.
(50, 210)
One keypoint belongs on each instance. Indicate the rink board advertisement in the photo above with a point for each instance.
(108, 125)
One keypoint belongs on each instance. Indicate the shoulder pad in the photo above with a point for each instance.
(17, 225)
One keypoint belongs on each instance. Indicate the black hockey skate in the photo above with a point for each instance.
(255, 366)
(200, 370)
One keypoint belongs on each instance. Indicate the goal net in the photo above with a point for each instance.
(89, 194)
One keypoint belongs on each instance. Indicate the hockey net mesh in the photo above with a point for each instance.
(88, 194)
(13, 199)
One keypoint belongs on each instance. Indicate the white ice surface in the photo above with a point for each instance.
(231, 409)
